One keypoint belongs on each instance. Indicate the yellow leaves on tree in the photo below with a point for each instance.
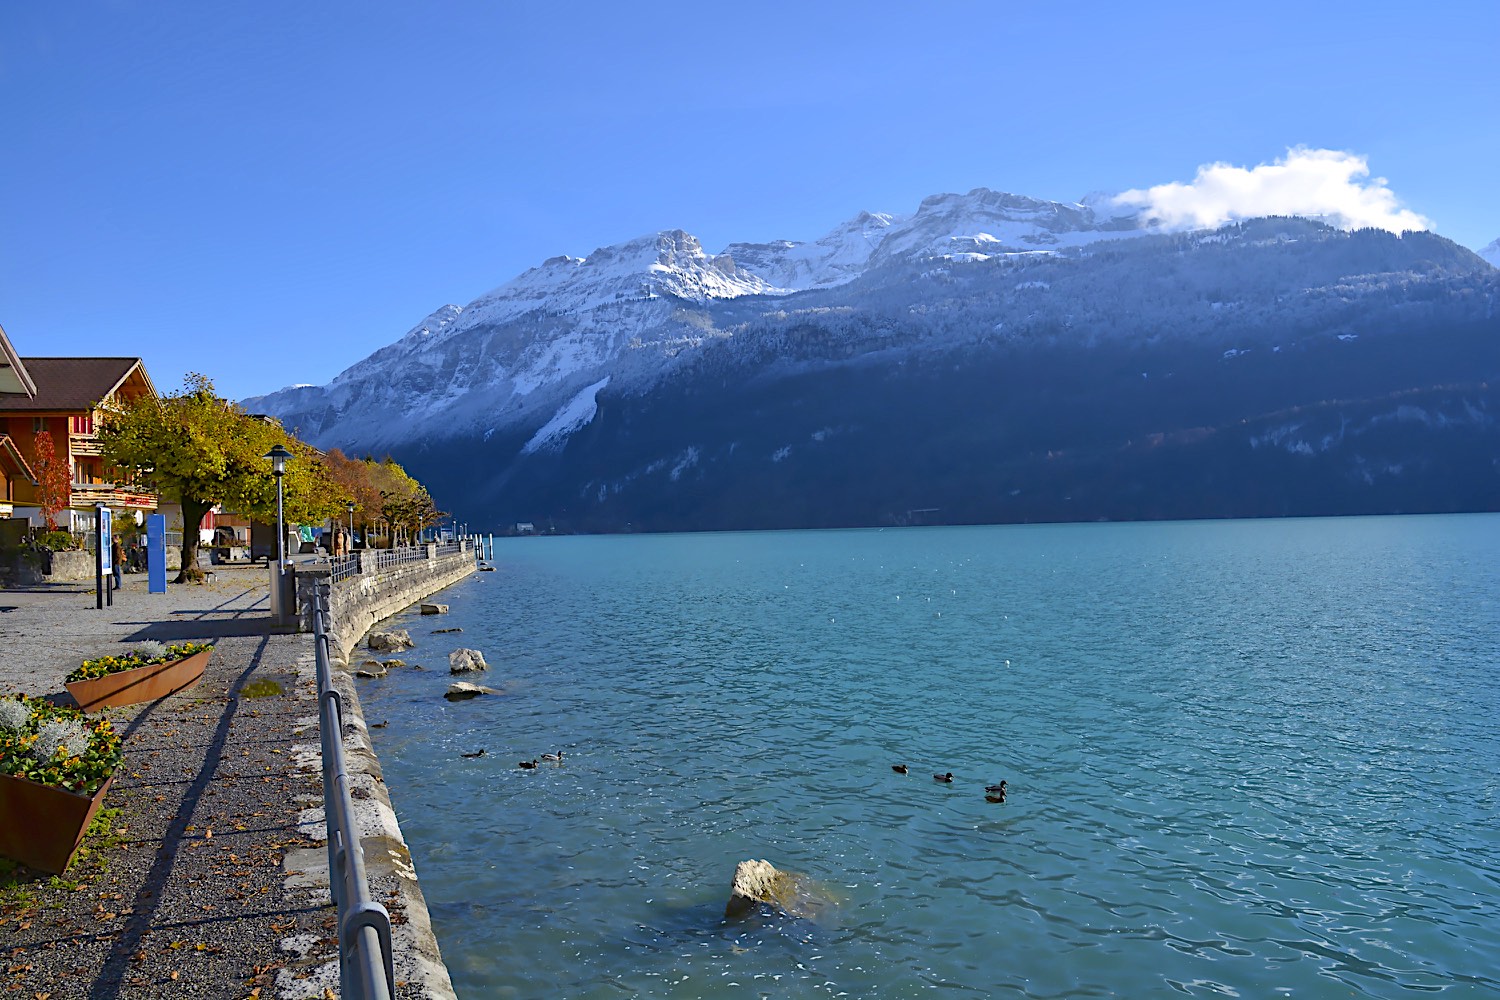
(201, 450)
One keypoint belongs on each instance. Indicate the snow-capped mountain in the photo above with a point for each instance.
(522, 351)
(1491, 253)
(853, 377)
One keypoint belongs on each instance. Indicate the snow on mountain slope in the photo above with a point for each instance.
(529, 357)
(983, 223)
(840, 256)
(576, 413)
(1491, 253)
(667, 263)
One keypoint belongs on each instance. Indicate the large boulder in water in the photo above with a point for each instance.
(466, 661)
(758, 883)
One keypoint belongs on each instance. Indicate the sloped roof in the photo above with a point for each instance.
(73, 383)
(13, 375)
(12, 462)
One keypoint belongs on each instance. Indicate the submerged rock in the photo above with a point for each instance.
(441, 631)
(466, 661)
(434, 609)
(463, 691)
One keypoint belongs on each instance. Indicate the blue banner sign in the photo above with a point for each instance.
(156, 553)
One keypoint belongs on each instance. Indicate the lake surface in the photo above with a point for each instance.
(1253, 758)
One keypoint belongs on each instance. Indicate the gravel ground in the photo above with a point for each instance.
(210, 883)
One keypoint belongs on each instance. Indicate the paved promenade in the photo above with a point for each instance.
(213, 881)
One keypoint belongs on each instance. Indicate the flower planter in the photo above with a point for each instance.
(42, 826)
(138, 684)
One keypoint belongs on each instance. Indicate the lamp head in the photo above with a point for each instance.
(278, 456)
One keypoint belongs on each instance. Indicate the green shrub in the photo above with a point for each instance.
(57, 541)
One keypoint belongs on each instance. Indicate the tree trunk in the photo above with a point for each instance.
(192, 516)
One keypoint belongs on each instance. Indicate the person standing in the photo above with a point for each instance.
(117, 559)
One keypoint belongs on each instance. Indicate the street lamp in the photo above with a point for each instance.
(349, 506)
(278, 456)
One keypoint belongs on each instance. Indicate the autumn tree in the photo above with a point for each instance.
(53, 481)
(383, 493)
(201, 450)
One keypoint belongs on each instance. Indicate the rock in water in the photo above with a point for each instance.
(370, 668)
(390, 642)
(434, 609)
(760, 882)
(465, 661)
(463, 691)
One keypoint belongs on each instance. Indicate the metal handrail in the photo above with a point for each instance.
(395, 557)
(343, 567)
(366, 968)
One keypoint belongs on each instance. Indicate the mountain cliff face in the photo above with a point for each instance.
(988, 358)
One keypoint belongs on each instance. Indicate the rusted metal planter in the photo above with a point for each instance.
(138, 684)
(41, 825)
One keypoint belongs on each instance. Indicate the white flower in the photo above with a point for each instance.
(13, 714)
(151, 650)
(68, 735)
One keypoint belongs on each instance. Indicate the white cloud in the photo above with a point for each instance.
(1326, 184)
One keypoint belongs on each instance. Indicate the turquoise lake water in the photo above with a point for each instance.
(1253, 758)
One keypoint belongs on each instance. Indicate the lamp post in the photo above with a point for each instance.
(349, 506)
(278, 456)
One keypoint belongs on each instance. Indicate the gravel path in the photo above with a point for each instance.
(208, 885)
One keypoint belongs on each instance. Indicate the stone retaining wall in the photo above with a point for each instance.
(71, 566)
(365, 598)
(355, 604)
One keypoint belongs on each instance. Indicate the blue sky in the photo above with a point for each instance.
(268, 192)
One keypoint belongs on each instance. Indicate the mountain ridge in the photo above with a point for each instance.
(613, 389)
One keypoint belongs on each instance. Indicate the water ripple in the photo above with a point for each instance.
(1244, 758)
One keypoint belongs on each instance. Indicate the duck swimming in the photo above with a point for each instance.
(555, 758)
(899, 768)
(946, 779)
(528, 764)
(476, 753)
(996, 797)
(996, 789)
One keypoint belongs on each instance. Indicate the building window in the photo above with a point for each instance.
(83, 424)
(38, 424)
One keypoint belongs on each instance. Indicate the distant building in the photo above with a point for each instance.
(525, 528)
(65, 396)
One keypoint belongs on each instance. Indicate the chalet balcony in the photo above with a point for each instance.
(85, 446)
(111, 495)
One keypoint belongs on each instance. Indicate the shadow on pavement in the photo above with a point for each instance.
(197, 628)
